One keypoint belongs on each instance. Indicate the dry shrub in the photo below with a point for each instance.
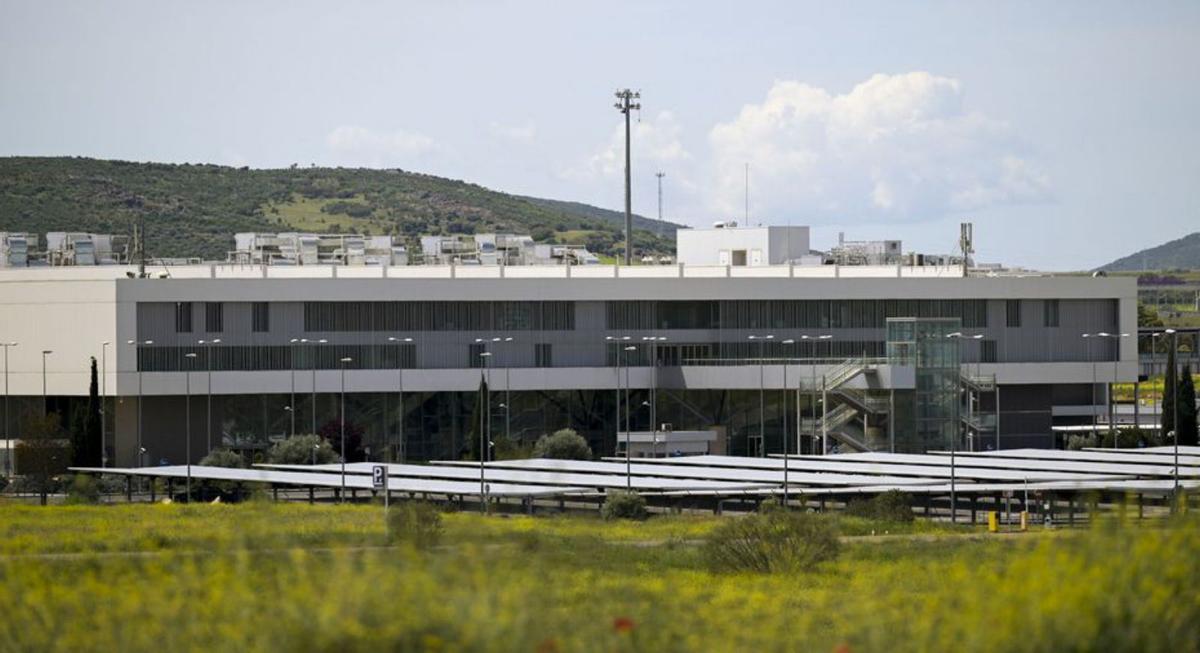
(772, 541)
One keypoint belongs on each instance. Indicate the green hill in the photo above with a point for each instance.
(194, 210)
(1181, 254)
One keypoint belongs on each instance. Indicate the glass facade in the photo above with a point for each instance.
(926, 346)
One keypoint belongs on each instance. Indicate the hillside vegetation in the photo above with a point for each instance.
(1180, 254)
(194, 210)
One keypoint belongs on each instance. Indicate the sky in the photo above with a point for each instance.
(1067, 132)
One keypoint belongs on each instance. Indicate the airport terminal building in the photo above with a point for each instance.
(835, 358)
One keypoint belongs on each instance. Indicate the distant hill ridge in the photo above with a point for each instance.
(1180, 254)
(194, 209)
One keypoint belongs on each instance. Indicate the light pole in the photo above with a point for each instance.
(292, 374)
(483, 437)
(1089, 337)
(1113, 386)
(1174, 415)
(813, 395)
(137, 363)
(187, 375)
(957, 335)
(103, 398)
(400, 372)
(342, 361)
(496, 340)
(314, 381)
(618, 340)
(208, 408)
(762, 396)
(654, 340)
(9, 467)
(45, 405)
(789, 341)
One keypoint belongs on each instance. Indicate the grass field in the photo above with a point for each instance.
(267, 577)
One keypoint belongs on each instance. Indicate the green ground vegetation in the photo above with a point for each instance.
(268, 577)
(193, 210)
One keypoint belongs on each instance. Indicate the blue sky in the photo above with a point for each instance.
(1066, 131)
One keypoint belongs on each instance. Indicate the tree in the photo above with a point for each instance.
(43, 452)
(332, 431)
(1170, 384)
(563, 444)
(1148, 316)
(1185, 398)
(223, 458)
(302, 450)
(85, 427)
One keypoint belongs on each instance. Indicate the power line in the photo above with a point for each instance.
(625, 102)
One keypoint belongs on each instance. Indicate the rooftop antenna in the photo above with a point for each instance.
(660, 176)
(966, 243)
(626, 102)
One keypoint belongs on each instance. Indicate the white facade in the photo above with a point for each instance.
(741, 246)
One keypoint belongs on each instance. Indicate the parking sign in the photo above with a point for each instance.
(379, 477)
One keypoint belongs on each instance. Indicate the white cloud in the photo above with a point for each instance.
(657, 143)
(523, 133)
(362, 146)
(897, 147)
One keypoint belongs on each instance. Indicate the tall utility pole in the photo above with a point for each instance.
(626, 102)
(660, 175)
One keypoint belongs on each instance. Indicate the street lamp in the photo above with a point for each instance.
(484, 440)
(654, 340)
(1089, 337)
(343, 362)
(1174, 414)
(103, 398)
(45, 353)
(789, 341)
(314, 344)
(621, 363)
(187, 375)
(400, 372)
(208, 364)
(138, 364)
(9, 465)
(1112, 386)
(762, 426)
(813, 367)
(292, 374)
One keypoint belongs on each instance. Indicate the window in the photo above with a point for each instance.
(214, 314)
(183, 317)
(260, 317)
(543, 355)
(987, 353)
(1051, 313)
(475, 355)
(1012, 312)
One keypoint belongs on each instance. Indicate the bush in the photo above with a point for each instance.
(1080, 442)
(774, 541)
(624, 505)
(223, 458)
(299, 450)
(416, 523)
(564, 444)
(892, 506)
(83, 489)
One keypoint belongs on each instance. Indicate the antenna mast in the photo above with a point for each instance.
(660, 176)
(966, 243)
(626, 102)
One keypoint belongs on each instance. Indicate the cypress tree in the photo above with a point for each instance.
(1169, 392)
(1185, 398)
